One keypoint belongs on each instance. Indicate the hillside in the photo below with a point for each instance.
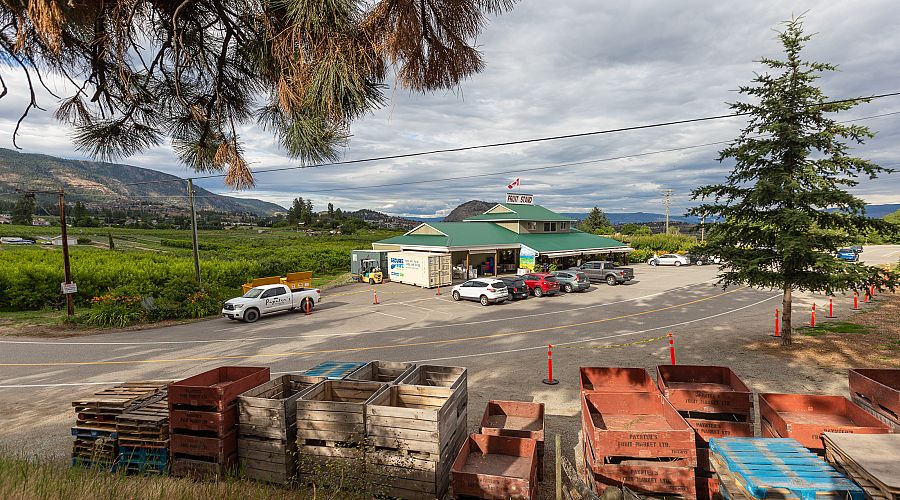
(468, 209)
(106, 185)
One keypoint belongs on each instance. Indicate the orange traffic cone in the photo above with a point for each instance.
(374, 296)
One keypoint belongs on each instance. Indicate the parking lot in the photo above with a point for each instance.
(503, 346)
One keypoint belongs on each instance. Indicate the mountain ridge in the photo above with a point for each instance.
(101, 184)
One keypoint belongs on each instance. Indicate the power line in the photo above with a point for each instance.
(508, 143)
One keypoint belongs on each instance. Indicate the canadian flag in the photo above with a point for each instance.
(514, 183)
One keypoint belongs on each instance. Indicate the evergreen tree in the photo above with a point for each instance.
(308, 213)
(23, 212)
(330, 211)
(596, 222)
(791, 164)
(112, 245)
(295, 213)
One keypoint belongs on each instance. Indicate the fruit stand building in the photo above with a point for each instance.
(508, 237)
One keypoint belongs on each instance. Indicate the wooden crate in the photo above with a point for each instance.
(269, 460)
(331, 414)
(216, 389)
(213, 449)
(516, 419)
(705, 389)
(615, 379)
(382, 371)
(805, 417)
(496, 467)
(435, 375)
(636, 425)
(270, 410)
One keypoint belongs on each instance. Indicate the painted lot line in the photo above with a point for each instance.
(491, 353)
(374, 347)
(352, 334)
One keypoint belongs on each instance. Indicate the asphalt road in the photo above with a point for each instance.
(503, 346)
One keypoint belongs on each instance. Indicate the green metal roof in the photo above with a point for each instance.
(560, 242)
(459, 234)
(521, 212)
(488, 234)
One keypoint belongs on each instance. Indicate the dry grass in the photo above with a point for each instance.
(875, 345)
(32, 478)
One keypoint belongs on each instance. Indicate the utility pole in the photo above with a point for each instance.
(70, 305)
(667, 200)
(194, 231)
(67, 286)
(702, 229)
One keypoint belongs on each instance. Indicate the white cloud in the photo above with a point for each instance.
(566, 67)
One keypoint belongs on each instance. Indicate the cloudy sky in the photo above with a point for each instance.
(566, 67)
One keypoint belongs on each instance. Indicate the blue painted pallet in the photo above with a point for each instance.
(774, 467)
(333, 370)
(139, 452)
(92, 433)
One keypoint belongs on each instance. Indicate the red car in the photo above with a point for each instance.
(541, 284)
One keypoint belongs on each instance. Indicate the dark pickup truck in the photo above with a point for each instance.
(602, 270)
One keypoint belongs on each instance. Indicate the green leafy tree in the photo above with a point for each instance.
(308, 213)
(23, 212)
(112, 244)
(791, 163)
(596, 222)
(633, 229)
(194, 72)
(295, 213)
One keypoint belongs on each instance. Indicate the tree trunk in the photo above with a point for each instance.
(786, 315)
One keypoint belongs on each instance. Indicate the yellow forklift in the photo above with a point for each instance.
(369, 272)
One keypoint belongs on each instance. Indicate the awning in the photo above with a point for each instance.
(589, 251)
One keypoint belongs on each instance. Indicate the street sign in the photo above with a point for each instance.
(68, 288)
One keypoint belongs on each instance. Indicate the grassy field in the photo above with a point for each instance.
(24, 478)
(148, 275)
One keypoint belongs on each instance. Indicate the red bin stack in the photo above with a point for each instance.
(203, 419)
(631, 436)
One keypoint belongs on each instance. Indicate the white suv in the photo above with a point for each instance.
(484, 290)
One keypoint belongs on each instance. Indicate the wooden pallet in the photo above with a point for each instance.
(120, 397)
(750, 468)
(872, 461)
(145, 425)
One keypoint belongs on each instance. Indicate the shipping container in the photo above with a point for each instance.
(424, 269)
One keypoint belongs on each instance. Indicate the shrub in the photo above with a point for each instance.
(115, 309)
(83, 241)
(642, 255)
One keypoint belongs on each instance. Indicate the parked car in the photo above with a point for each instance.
(847, 254)
(669, 259)
(484, 290)
(541, 284)
(268, 299)
(572, 280)
(856, 248)
(702, 260)
(603, 270)
(516, 288)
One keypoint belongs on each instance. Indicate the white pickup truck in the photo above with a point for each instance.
(268, 299)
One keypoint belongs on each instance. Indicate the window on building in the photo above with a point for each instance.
(549, 227)
(563, 226)
(532, 226)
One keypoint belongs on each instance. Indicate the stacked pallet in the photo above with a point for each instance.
(96, 440)
(203, 419)
(871, 460)
(143, 433)
(751, 468)
(715, 403)
(878, 392)
(805, 417)
(633, 437)
(267, 430)
(496, 467)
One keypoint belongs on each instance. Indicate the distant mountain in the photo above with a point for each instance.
(468, 209)
(636, 217)
(106, 185)
(879, 211)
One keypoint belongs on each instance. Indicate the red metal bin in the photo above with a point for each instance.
(705, 389)
(615, 379)
(516, 419)
(805, 417)
(880, 389)
(216, 389)
(496, 467)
